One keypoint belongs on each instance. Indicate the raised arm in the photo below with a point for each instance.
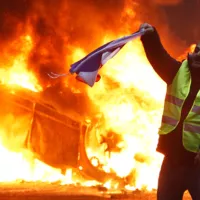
(164, 65)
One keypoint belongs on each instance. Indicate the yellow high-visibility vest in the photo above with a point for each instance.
(176, 95)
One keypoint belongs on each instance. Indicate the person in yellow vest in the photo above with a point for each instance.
(179, 133)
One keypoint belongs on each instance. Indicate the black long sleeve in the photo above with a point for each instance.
(164, 65)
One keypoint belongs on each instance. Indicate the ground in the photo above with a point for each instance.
(43, 191)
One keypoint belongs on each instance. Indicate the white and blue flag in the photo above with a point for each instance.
(88, 67)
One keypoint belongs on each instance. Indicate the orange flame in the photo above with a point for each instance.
(130, 100)
(136, 122)
(15, 72)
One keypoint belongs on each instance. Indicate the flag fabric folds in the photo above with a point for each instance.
(87, 68)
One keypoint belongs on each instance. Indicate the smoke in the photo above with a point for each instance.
(12, 15)
(60, 25)
(153, 14)
(167, 2)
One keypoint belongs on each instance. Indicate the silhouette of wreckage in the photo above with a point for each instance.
(55, 138)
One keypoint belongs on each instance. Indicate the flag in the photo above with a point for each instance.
(87, 68)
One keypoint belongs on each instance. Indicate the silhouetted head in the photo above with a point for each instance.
(197, 48)
(194, 57)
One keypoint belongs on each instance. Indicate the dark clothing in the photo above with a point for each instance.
(166, 67)
(178, 172)
(174, 180)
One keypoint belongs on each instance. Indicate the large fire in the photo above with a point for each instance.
(15, 70)
(136, 122)
(128, 82)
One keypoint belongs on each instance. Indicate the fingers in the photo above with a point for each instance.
(146, 27)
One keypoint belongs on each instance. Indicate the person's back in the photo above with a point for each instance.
(179, 171)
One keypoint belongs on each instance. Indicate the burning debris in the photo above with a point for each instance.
(61, 130)
(112, 141)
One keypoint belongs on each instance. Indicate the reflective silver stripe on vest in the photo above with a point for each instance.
(174, 100)
(196, 109)
(192, 128)
(169, 120)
